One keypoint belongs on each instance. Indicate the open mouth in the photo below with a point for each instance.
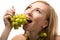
(29, 21)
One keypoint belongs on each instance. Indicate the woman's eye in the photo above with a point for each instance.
(38, 11)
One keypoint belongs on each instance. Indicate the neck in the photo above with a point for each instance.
(33, 35)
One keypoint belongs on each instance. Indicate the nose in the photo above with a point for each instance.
(29, 13)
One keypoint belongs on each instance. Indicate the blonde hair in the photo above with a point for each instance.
(53, 21)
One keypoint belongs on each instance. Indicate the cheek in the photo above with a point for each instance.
(39, 19)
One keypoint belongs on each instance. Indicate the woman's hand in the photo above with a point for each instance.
(7, 17)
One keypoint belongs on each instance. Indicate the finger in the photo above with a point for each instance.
(12, 6)
(7, 20)
(7, 16)
(10, 12)
(13, 9)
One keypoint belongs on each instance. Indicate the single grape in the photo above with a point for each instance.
(24, 21)
(21, 20)
(41, 35)
(14, 16)
(16, 27)
(17, 20)
(12, 19)
(45, 35)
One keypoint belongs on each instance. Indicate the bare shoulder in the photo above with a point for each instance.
(57, 37)
(19, 37)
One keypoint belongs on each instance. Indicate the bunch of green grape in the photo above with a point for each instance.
(18, 20)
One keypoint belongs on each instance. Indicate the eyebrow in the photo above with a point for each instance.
(27, 7)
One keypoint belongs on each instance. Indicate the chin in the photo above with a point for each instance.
(27, 28)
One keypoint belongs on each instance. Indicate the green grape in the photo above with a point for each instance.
(45, 35)
(14, 23)
(19, 25)
(22, 16)
(41, 35)
(21, 21)
(24, 21)
(14, 16)
(18, 20)
(12, 19)
(16, 27)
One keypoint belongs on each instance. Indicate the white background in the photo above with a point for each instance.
(20, 5)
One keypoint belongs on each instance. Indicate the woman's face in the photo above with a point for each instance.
(36, 14)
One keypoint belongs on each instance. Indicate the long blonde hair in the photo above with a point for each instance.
(53, 22)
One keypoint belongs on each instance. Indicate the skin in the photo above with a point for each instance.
(37, 12)
(6, 18)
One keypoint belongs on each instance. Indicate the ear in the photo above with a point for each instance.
(45, 24)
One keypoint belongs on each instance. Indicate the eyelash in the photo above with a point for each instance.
(38, 11)
(28, 8)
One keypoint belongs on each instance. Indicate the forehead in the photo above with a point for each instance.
(40, 5)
